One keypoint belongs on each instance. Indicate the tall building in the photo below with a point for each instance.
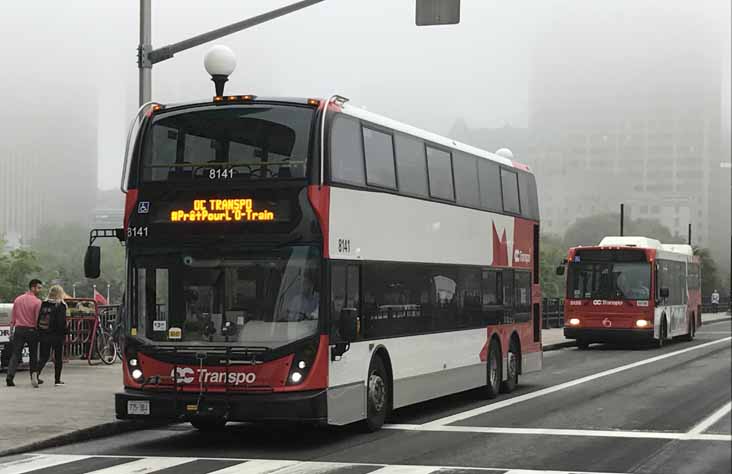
(48, 164)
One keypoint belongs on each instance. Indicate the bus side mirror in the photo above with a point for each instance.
(92, 262)
(560, 270)
(349, 324)
(663, 293)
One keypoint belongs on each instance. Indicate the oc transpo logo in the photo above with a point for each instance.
(187, 375)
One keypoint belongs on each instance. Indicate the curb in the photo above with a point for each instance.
(558, 345)
(720, 320)
(84, 434)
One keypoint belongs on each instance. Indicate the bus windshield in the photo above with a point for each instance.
(265, 300)
(237, 142)
(609, 280)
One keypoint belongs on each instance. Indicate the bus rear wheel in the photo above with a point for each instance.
(378, 396)
(689, 336)
(495, 371)
(512, 368)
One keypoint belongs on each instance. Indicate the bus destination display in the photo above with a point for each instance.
(222, 210)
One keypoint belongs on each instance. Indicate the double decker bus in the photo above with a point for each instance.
(303, 259)
(631, 289)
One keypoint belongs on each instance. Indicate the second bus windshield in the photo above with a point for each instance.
(609, 280)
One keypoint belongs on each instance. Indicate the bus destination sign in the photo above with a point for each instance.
(222, 210)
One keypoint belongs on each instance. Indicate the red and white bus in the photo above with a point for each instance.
(303, 259)
(631, 289)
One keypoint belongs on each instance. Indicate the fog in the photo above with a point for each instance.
(69, 82)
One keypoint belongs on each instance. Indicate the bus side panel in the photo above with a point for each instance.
(424, 367)
(676, 320)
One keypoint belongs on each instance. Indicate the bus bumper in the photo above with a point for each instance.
(308, 406)
(610, 335)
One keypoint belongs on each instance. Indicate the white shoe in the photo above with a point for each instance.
(34, 380)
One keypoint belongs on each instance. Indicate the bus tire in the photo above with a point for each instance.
(494, 370)
(378, 396)
(512, 368)
(689, 336)
(208, 424)
(662, 333)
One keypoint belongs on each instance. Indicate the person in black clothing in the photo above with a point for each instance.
(52, 330)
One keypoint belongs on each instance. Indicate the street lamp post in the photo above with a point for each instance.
(428, 12)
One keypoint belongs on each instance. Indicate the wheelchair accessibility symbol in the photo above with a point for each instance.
(143, 207)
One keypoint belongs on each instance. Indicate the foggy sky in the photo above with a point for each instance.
(370, 51)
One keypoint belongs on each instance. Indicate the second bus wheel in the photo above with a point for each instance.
(378, 395)
(495, 371)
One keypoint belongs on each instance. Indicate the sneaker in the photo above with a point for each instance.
(34, 380)
(40, 381)
(9, 382)
(59, 383)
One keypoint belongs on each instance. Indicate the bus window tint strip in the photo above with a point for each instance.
(411, 165)
(399, 299)
(346, 151)
(466, 179)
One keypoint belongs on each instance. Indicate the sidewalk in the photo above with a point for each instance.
(82, 406)
(553, 339)
(34, 419)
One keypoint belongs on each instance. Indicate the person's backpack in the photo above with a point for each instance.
(44, 316)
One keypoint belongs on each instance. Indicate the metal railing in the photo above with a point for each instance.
(552, 313)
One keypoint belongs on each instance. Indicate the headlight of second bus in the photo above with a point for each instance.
(642, 323)
(574, 322)
(301, 364)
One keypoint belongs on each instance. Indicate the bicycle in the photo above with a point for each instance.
(105, 344)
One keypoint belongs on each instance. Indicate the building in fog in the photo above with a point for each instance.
(619, 114)
(48, 165)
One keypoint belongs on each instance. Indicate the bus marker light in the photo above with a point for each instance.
(218, 98)
(232, 97)
(642, 323)
(247, 97)
(314, 102)
(301, 365)
(574, 322)
(191, 407)
(133, 362)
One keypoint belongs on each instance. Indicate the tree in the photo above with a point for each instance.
(60, 250)
(710, 278)
(552, 252)
(17, 267)
(591, 230)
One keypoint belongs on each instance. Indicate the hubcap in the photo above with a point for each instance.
(377, 392)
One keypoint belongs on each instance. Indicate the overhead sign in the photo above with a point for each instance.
(437, 12)
(222, 210)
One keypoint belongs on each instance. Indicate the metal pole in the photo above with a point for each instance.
(143, 52)
(689, 233)
(622, 218)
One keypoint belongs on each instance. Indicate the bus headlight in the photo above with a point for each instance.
(642, 323)
(137, 375)
(574, 322)
(133, 362)
(302, 362)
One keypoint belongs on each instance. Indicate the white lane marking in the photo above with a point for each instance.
(141, 466)
(704, 333)
(707, 422)
(564, 432)
(406, 470)
(555, 388)
(20, 466)
(258, 466)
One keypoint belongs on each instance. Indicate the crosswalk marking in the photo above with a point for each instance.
(185, 465)
(145, 465)
(33, 463)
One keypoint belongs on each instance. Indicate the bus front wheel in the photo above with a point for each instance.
(495, 371)
(378, 396)
(691, 329)
(208, 424)
(662, 334)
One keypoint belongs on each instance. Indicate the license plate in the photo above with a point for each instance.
(138, 407)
